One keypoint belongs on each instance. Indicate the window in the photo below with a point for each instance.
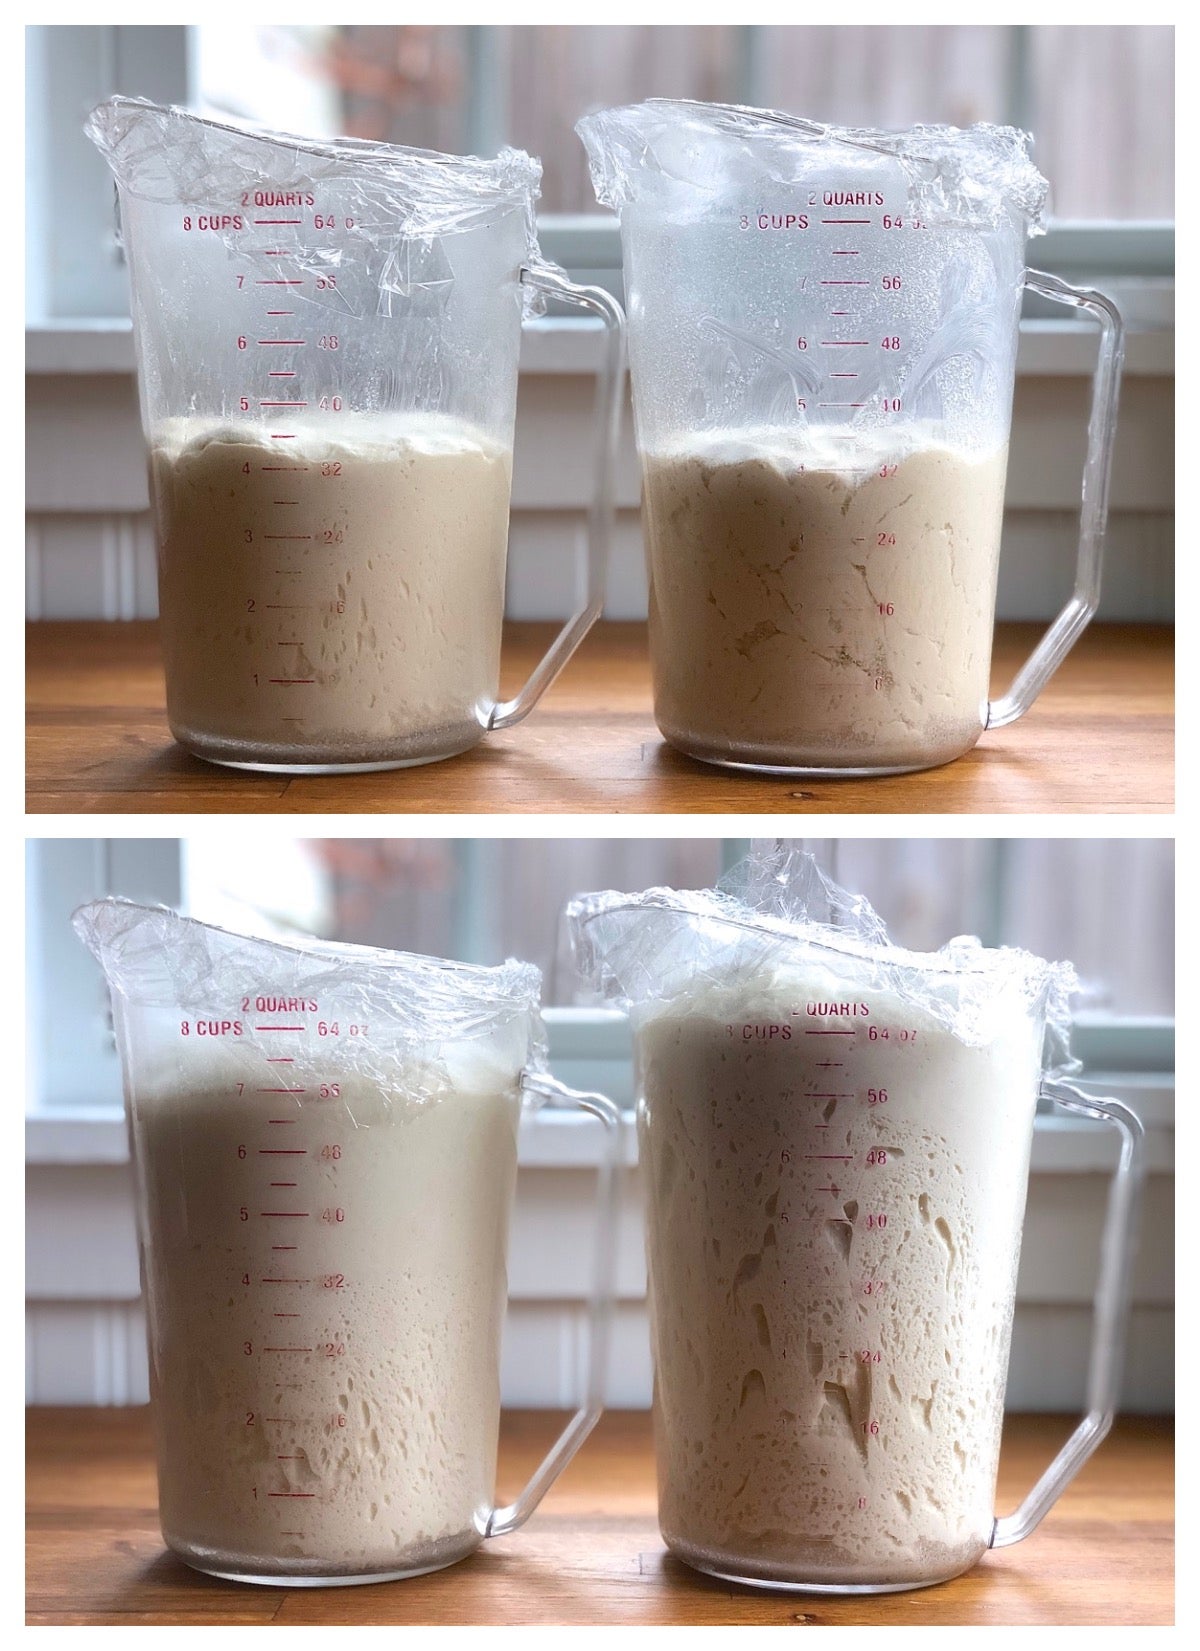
(1106, 905)
(478, 900)
(1097, 98)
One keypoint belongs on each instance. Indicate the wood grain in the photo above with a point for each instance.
(591, 1553)
(1098, 740)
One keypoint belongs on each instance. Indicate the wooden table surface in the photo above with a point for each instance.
(592, 1554)
(1098, 740)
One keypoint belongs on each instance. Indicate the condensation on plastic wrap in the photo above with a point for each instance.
(404, 201)
(422, 1026)
(776, 924)
(977, 175)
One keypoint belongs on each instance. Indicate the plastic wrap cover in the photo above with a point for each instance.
(775, 919)
(167, 154)
(429, 1022)
(977, 175)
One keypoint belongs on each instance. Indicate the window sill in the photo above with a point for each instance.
(1061, 1146)
(562, 345)
(589, 1048)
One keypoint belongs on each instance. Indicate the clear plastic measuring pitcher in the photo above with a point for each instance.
(327, 337)
(324, 1144)
(834, 1144)
(823, 333)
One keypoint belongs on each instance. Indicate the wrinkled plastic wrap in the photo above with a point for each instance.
(409, 1027)
(791, 283)
(397, 196)
(306, 285)
(976, 175)
(777, 926)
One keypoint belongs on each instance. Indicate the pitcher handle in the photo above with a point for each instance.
(503, 1520)
(1102, 426)
(1111, 1311)
(610, 388)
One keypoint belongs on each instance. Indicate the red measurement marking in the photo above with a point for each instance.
(291, 681)
(279, 341)
(829, 1189)
(841, 343)
(841, 1157)
(841, 404)
(287, 1349)
(828, 220)
(284, 1281)
(832, 375)
(834, 312)
(836, 1031)
(838, 254)
(294, 1420)
(297, 1089)
(289, 644)
(281, 1120)
(285, 501)
(304, 1495)
(294, 282)
(279, 1029)
(284, 1215)
(820, 1126)
(283, 1183)
(285, 1315)
(281, 312)
(276, 437)
(815, 1063)
(300, 1458)
(285, 1246)
(301, 220)
(287, 607)
(845, 283)
(289, 538)
(282, 1152)
(283, 404)
(265, 468)
(832, 1095)
(281, 375)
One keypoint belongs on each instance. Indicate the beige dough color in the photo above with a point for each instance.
(332, 599)
(325, 1296)
(834, 1222)
(822, 604)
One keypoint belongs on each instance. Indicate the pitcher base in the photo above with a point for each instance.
(801, 770)
(311, 1576)
(777, 1585)
(809, 772)
(260, 758)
